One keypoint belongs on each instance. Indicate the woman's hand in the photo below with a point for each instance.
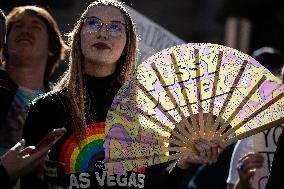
(208, 153)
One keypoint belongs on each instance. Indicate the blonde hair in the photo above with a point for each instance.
(73, 79)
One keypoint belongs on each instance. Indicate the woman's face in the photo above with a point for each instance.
(103, 36)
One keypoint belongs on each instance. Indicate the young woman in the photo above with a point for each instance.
(103, 50)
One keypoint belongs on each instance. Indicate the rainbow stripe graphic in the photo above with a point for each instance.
(83, 159)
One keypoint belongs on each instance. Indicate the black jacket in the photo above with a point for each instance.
(53, 111)
(8, 90)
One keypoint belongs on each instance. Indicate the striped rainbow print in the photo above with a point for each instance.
(83, 159)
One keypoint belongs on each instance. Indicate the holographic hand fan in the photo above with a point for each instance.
(184, 93)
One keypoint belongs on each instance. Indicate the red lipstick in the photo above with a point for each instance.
(101, 46)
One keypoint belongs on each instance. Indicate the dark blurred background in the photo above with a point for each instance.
(244, 25)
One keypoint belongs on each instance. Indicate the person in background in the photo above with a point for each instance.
(244, 160)
(102, 58)
(32, 50)
(275, 180)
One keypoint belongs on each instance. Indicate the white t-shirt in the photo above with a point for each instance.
(242, 147)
